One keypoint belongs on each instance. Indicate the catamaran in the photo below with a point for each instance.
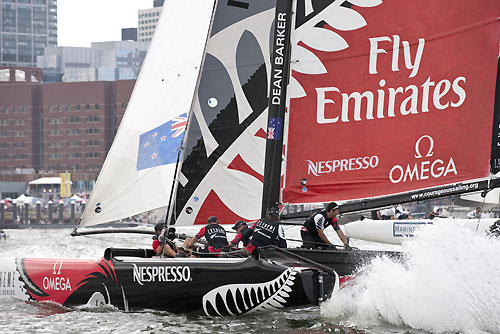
(245, 105)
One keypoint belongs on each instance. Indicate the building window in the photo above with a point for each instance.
(78, 107)
(124, 106)
(87, 107)
(92, 119)
(75, 143)
(20, 156)
(96, 107)
(55, 132)
(74, 119)
(54, 144)
(54, 120)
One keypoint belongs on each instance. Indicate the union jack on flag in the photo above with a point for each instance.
(178, 126)
(270, 133)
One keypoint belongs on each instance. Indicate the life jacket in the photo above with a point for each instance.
(245, 236)
(215, 235)
(310, 224)
(265, 233)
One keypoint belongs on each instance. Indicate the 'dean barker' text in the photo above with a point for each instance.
(387, 101)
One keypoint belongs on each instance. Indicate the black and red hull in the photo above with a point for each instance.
(133, 280)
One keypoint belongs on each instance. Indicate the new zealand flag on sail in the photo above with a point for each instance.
(159, 146)
(274, 128)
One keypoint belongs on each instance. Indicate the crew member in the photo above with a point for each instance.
(312, 231)
(267, 231)
(161, 245)
(388, 213)
(474, 214)
(435, 213)
(401, 213)
(243, 234)
(215, 236)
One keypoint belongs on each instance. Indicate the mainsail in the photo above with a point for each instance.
(389, 97)
(139, 169)
(223, 165)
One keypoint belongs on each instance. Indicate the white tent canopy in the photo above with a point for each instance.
(47, 180)
(23, 199)
(76, 198)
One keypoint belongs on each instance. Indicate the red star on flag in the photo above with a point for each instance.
(163, 138)
(155, 134)
(146, 144)
(154, 156)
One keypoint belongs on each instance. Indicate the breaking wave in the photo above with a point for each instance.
(448, 282)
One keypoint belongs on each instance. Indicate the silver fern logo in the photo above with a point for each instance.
(338, 17)
(236, 299)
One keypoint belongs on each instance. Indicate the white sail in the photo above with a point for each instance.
(135, 178)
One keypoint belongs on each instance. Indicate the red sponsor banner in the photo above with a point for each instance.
(405, 103)
(56, 280)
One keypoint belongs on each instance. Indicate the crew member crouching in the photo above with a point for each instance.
(243, 234)
(312, 231)
(267, 231)
(161, 245)
(215, 236)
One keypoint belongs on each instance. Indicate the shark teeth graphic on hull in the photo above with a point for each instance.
(242, 298)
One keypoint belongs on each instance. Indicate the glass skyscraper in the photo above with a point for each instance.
(27, 26)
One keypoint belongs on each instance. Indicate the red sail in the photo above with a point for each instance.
(390, 96)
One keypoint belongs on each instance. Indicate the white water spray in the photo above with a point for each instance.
(449, 282)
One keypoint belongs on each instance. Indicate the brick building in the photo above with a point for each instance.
(58, 127)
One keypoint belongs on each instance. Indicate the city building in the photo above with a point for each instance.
(103, 61)
(148, 19)
(27, 27)
(56, 61)
(129, 34)
(49, 128)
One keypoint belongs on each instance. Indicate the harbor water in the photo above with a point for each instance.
(448, 283)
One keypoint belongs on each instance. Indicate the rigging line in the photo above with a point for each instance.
(482, 210)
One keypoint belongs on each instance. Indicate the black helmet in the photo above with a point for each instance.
(212, 219)
(238, 224)
(159, 226)
(273, 212)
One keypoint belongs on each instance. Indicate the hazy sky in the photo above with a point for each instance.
(80, 22)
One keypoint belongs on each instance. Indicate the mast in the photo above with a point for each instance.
(280, 61)
(495, 145)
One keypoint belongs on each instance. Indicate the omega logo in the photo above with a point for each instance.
(424, 169)
(430, 153)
